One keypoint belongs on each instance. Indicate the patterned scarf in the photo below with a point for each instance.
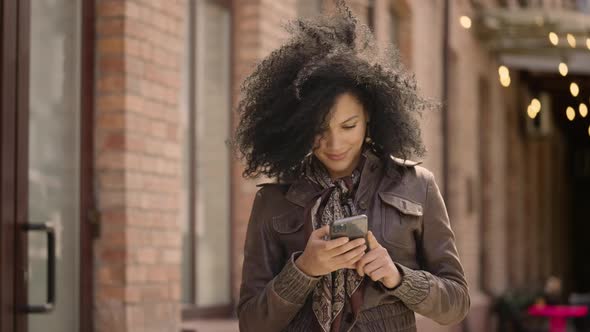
(335, 202)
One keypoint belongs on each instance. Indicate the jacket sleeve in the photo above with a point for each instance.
(272, 291)
(440, 291)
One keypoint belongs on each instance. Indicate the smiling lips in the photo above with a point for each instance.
(336, 156)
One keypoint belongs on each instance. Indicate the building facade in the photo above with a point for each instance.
(124, 210)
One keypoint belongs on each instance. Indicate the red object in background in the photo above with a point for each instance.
(558, 314)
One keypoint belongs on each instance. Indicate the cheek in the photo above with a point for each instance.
(358, 137)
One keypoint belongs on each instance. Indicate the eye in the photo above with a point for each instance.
(349, 126)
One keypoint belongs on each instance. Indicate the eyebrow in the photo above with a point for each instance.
(352, 117)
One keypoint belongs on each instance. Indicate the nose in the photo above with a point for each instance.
(331, 139)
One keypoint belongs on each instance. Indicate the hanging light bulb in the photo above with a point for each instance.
(583, 110)
(534, 108)
(563, 69)
(465, 22)
(571, 40)
(504, 76)
(536, 105)
(503, 71)
(553, 38)
(588, 130)
(505, 81)
(570, 113)
(530, 111)
(574, 89)
(588, 43)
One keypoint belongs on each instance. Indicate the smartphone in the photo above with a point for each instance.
(352, 227)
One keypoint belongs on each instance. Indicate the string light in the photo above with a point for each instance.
(505, 81)
(570, 113)
(531, 112)
(553, 38)
(503, 71)
(504, 76)
(465, 22)
(574, 89)
(563, 69)
(571, 40)
(534, 108)
(583, 110)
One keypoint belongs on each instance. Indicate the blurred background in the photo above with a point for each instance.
(123, 210)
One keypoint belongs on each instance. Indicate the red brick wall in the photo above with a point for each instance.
(137, 270)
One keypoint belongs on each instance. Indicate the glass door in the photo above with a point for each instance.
(52, 272)
(46, 90)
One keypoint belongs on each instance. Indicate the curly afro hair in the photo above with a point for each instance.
(286, 101)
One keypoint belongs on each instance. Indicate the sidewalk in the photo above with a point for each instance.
(211, 325)
(231, 325)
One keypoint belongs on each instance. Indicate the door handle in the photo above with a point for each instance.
(50, 304)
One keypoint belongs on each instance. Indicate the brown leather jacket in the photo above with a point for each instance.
(408, 217)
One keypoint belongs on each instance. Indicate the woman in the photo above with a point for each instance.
(334, 124)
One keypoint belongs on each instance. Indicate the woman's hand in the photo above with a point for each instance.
(377, 264)
(321, 256)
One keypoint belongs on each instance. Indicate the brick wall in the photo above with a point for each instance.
(137, 271)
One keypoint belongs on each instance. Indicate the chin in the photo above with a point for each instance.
(337, 167)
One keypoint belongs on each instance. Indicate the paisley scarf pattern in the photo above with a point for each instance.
(335, 202)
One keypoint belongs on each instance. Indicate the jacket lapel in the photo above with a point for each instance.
(300, 192)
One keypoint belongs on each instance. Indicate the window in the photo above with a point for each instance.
(206, 111)
(371, 15)
(394, 28)
(309, 8)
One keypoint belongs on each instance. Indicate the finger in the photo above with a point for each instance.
(348, 256)
(370, 256)
(355, 259)
(331, 244)
(351, 264)
(359, 268)
(321, 232)
(366, 259)
(373, 244)
(373, 266)
(346, 247)
(378, 274)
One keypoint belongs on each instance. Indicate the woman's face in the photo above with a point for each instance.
(339, 146)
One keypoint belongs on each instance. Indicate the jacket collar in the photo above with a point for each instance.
(302, 191)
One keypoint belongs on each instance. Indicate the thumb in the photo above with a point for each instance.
(321, 232)
(373, 244)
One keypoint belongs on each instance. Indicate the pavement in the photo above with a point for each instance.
(211, 325)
